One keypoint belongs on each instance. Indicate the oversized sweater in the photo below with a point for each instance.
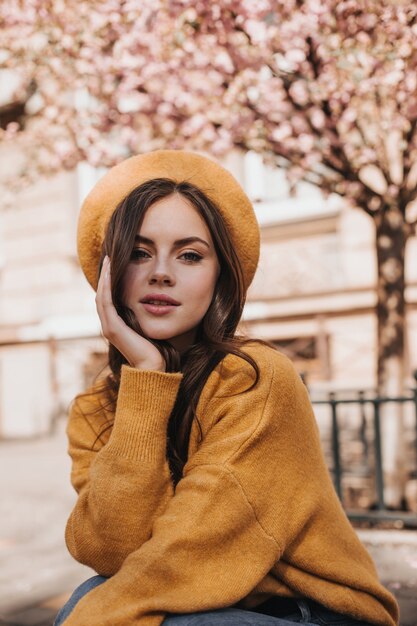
(254, 516)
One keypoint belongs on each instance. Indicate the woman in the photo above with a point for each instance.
(203, 496)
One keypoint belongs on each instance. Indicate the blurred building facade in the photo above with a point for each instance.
(313, 294)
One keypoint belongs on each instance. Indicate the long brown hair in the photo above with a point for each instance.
(216, 334)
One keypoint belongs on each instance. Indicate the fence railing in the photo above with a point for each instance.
(370, 435)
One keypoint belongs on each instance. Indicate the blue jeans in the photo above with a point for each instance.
(308, 613)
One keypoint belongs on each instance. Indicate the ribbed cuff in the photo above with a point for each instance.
(144, 404)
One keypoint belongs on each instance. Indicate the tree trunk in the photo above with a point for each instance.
(391, 239)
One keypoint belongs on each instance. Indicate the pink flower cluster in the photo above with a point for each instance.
(325, 88)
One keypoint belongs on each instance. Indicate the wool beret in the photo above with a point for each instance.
(178, 165)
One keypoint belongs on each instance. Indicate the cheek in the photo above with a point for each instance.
(204, 288)
(130, 281)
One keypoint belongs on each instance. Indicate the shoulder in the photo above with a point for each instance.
(270, 362)
(243, 401)
(265, 367)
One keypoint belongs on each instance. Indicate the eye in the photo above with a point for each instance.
(138, 253)
(191, 257)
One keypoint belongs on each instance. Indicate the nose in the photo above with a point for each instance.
(160, 274)
(160, 278)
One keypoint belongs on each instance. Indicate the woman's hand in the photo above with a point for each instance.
(138, 351)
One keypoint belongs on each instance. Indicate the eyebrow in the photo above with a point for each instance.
(177, 243)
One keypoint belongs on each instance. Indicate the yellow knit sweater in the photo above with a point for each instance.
(255, 514)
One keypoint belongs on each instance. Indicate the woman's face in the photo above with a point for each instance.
(173, 258)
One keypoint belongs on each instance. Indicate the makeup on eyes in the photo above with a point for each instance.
(178, 243)
(139, 253)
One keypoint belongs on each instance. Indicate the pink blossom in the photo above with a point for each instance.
(315, 85)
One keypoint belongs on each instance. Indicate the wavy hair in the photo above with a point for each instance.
(216, 335)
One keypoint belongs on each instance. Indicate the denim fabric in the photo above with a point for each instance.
(80, 591)
(308, 614)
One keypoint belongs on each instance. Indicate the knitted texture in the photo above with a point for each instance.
(179, 165)
(255, 514)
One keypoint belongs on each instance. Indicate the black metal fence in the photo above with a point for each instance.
(369, 408)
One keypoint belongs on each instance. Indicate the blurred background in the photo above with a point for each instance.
(313, 107)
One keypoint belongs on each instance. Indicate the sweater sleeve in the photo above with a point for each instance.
(124, 486)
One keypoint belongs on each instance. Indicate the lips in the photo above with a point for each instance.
(159, 304)
(159, 299)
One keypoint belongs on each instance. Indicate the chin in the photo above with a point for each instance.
(159, 336)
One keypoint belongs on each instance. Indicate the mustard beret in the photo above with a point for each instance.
(178, 165)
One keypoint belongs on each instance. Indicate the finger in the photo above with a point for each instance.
(99, 291)
(106, 286)
(100, 294)
(102, 273)
(112, 323)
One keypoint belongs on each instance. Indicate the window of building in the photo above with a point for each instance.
(310, 356)
(268, 189)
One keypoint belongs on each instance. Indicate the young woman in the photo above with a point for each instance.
(203, 495)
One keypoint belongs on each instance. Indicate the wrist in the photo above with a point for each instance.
(150, 365)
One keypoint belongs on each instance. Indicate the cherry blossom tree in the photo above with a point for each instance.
(326, 89)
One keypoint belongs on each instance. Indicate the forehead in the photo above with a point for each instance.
(173, 216)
